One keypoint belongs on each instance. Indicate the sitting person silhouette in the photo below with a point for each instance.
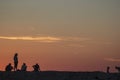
(24, 67)
(36, 67)
(8, 67)
(117, 68)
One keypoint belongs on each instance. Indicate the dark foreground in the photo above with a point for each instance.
(55, 75)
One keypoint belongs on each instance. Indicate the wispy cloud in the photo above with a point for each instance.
(47, 39)
(112, 59)
(41, 39)
(77, 39)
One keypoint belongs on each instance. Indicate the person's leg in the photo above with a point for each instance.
(15, 66)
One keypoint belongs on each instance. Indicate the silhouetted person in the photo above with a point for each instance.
(108, 69)
(8, 67)
(36, 67)
(24, 67)
(118, 68)
(15, 61)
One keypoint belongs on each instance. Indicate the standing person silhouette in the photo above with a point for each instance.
(15, 61)
(108, 69)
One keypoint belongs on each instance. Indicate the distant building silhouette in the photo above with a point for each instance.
(36, 67)
(15, 61)
(24, 67)
(8, 67)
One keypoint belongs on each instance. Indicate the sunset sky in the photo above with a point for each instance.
(63, 35)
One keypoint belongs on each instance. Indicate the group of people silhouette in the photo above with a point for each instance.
(9, 67)
(36, 67)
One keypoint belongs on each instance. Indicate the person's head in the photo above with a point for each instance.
(9, 64)
(37, 64)
(24, 64)
(16, 54)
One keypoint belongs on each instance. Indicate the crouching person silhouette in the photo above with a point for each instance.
(8, 67)
(36, 67)
(24, 67)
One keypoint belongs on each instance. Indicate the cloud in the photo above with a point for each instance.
(77, 39)
(112, 59)
(41, 39)
(48, 39)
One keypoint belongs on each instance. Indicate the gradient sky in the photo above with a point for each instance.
(70, 35)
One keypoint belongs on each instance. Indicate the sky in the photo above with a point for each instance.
(62, 35)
